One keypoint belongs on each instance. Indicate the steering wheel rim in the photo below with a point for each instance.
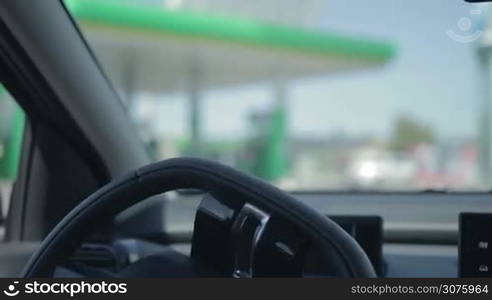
(179, 173)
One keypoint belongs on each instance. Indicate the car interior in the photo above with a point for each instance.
(184, 139)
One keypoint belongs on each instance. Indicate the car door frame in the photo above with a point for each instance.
(78, 135)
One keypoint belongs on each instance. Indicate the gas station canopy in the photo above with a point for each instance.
(159, 50)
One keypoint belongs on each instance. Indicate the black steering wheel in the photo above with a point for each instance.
(260, 202)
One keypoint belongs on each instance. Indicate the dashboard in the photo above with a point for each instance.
(404, 234)
(421, 232)
(422, 235)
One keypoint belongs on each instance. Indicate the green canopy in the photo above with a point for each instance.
(152, 49)
(163, 47)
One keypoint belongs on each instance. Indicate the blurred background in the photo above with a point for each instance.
(11, 129)
(342, 95)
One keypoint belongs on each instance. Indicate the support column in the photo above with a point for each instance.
(274, 160)
(195, 107)
(130, 75)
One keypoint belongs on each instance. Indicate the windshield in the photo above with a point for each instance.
(346, 95)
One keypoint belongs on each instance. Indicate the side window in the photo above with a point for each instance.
(11, 129)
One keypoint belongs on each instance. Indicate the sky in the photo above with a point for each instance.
(433, 78)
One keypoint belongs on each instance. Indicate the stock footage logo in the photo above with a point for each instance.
(467, 33)
(64, 287)
(12, 290)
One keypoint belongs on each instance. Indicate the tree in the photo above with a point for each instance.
(409, 132)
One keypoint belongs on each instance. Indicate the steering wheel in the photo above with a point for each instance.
(260, 204)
